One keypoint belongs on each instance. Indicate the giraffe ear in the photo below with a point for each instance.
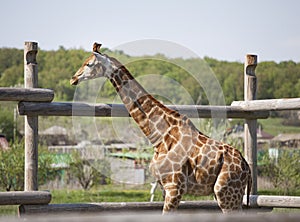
(96, 47)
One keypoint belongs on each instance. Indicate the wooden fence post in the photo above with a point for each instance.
(250, 143)
(31, 122)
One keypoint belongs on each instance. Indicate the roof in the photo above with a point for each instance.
(286, 137)
(132, 155)
(54, 130)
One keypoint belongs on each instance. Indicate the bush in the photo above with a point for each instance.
(283, 171)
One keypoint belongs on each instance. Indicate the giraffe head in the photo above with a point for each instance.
(95, 66)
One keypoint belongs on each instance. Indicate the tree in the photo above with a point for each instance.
(7, 121)
(12, 167)
(85, 171)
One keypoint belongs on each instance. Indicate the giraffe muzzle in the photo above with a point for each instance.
(74, 80)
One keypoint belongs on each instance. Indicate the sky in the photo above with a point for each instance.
(225, 30)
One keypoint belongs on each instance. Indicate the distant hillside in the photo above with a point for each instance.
(275, 80)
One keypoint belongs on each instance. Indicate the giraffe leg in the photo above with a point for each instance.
(172, 198)
(229, 199)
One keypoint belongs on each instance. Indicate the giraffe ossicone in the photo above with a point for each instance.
(184, 160)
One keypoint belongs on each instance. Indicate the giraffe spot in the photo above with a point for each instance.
(232, 167)
(204, 161)
(210, 142)
(168, 141)
(176, 166)
(205, 149)
(175, 133)
(202, 138)
(236, 161)
(186, 141)
(147, 105)
(211, 179)
(211, 171)
(212, 154)
(238, 183)
(224, 176)
(166, 166)
(212, 162)
(171, 120)
(162, 125)
(243, 176)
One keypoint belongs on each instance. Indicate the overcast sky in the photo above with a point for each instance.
(225, 30)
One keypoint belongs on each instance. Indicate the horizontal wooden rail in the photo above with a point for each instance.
(118, 207)
(26, 94)
(269, 104)
(121, 207)
(119, 110)
(76, 217)
(274, 201)
(25, 197)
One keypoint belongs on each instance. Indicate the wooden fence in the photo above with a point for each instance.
(34, 102)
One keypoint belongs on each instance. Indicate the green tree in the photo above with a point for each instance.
(7, 121)
(12, 167)
(85, 171)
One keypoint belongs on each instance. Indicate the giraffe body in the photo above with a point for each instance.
(184, 160)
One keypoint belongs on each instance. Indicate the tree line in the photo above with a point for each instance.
(275, 80)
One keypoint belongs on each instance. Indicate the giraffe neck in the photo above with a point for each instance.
(147, 112)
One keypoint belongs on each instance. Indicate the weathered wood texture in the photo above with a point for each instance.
(77, 217)
(109, 208)
(25, 197)
(273, 201)
(133, 207)
(269, 104)
(250, 127)
(119, 110)
(31, 122)
(26, 94)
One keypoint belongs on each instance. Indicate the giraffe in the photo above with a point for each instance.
(184, 160)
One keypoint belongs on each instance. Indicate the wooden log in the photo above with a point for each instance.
(25, 197)
(26, 94)
(250, 127)
(119, 110)
(76, 217)
(116, 207)
(31, 122)
(125, 207)
(269, 104)
(273, 201)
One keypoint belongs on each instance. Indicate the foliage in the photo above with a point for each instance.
(87, 174)
(7, 121)
(56, 68)
(12, 167)
(283, 170)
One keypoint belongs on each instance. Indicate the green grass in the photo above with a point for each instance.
(274, 126)
(111, 193)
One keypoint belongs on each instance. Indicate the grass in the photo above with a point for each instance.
(274, 126)
(112, 193)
